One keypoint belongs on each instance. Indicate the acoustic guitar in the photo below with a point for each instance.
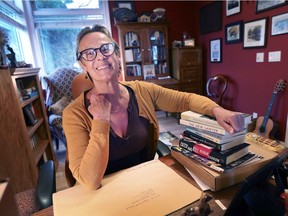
(264, 125)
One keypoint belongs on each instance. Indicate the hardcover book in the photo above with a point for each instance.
(217, 138)
(223, 157)
(221, 147)
(210, 121)
(203, 127)
(214, 165)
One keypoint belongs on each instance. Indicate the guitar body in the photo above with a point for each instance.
(264, 125)
(264, 131)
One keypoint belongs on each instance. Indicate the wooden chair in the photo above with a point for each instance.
(216, 87)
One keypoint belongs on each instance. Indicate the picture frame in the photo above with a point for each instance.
(255, 33)
(126, 4)
(216, 50)
(264, 5)
(233, 7)
(279, 24)
(234, 32)
(207, 24)
(149, 71)
(190, 42)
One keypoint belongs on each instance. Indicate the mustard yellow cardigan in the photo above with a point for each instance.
(81, 130)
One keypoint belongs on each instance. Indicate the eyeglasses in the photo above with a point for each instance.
(91, 53)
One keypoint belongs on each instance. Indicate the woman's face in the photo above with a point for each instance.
(101, 68)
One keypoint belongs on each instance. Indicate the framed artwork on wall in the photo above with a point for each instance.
(279, 24)
(216, 50)
(232, 7)
(255, 33)
(211, 17)
(264, 5)
(233, 32)
(126, 4)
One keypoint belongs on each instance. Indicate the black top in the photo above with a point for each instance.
(128, 151)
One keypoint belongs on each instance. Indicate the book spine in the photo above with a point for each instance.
(203, 140)
(202, 151)
(203, 127)
(197, 158)
(205, 136)
(200, 119)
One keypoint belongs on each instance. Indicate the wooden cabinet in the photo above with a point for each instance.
(25, 136)
(188, 69)
(144, 50)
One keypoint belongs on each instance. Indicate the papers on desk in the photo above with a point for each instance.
(151, 188)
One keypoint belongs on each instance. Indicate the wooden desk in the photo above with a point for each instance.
(167, 83)
(224, 195)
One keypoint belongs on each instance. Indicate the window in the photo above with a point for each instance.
(13, 28)
(57, 24)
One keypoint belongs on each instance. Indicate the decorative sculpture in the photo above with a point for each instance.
(11, 57)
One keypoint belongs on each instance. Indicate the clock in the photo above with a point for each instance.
(189, 42)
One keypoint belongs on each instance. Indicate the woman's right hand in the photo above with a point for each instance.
(99, 108)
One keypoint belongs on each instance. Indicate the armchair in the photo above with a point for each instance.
(58, 96)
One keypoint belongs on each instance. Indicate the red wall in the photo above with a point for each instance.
(250, 84)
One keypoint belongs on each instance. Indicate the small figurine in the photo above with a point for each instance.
(203, 209)
(11, 57)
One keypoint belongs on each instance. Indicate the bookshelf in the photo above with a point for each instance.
(25, 138)
(144, 50)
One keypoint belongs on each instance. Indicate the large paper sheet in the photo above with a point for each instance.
(151, 188)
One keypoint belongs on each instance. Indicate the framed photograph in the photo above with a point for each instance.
(216, 50)
(190, 42)
(264, 5)
(234, 32)
(255, 33)
(125, 4)
(232, 7)
(149, 71)
(279, 24)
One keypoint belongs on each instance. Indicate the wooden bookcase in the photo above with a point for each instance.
(144, 50)
(188, 68)
(24, 146)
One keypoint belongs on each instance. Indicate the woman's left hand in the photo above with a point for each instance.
(229, 120)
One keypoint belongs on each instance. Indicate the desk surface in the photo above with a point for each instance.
(224, 195)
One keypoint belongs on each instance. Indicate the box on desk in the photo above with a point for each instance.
(217, 181)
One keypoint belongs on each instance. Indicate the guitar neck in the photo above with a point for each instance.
(266, 117)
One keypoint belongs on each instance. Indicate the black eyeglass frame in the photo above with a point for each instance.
(79, 56)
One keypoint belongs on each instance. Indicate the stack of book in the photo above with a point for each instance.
(206, 142)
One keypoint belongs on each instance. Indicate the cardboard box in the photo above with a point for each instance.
(217, 181)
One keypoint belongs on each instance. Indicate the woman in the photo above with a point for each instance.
(113, 125)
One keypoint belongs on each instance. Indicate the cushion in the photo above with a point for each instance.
(59, 106)
(26, 202)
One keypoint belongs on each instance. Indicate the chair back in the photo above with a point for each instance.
(80, 84)
(59, 84)
(46, 184)
(216, 87)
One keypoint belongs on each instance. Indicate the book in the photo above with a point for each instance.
(220, 139)
(250, 157)
(208, 120)
(222, 157)
(221, 147)
(204, 127)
